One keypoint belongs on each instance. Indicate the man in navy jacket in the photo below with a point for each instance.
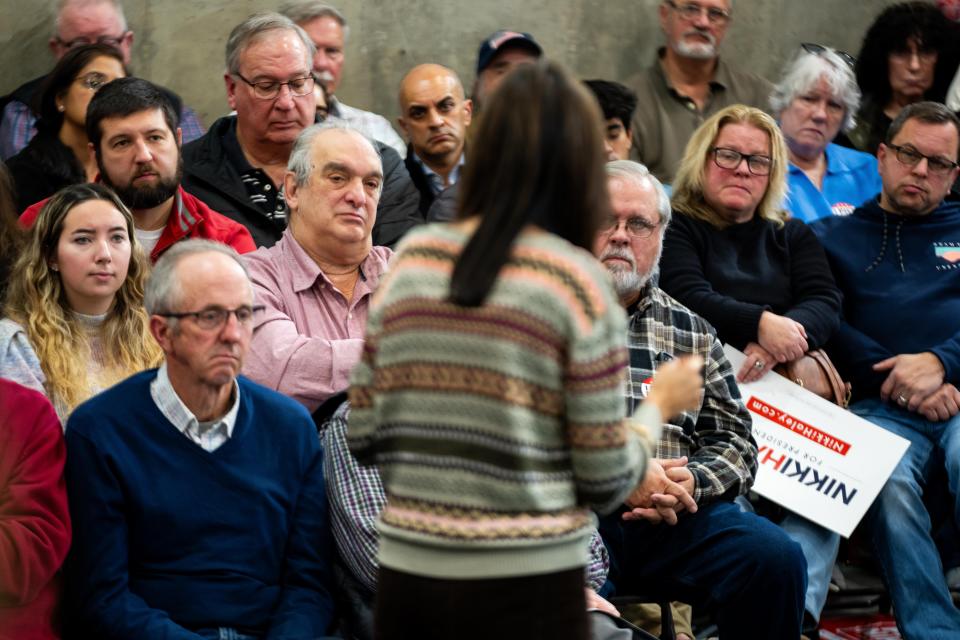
(897, 261)
(198, 496)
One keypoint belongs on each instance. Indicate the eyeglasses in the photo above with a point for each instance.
(110, 41)
(270, 89)
(758, 165)
(214, 318)
(636, 226)
(819, 50)
(924, 54)
(691, 11)
(911, 157)
(93, 80)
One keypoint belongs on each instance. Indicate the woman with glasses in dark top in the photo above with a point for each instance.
(761, 278)
(58, 155)
(909, 54)
(816, 97)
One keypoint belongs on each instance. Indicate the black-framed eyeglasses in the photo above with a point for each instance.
(911, 157)
(819, 50)
(759, 165)
(110, 41)
(691, 11)
(213, 318)
(270, 89)
(636, 226)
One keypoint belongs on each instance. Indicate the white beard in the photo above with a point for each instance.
(696, 51)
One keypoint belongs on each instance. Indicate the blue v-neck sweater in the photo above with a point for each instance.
(169, 537)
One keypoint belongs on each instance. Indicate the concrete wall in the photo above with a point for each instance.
(179, 43)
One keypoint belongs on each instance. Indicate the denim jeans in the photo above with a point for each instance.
(820, 547)
(901, 526)
(742, 566)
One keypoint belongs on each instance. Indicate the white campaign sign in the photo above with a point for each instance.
(815, 458)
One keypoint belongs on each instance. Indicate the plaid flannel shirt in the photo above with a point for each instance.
(356, 498)
(717, 438)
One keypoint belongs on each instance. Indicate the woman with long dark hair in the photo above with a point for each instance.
(490, 392)
(58, 155)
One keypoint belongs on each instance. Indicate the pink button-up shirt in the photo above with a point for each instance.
(310, 337)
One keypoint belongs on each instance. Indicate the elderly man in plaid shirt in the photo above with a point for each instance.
(743, 567)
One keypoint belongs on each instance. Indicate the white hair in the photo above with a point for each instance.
(805, 70)
(638, 173)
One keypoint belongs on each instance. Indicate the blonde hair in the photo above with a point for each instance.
(688, 185)
(36, 299)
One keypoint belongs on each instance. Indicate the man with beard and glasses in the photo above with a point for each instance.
(687, 83)
(133, 135)
(744, 568)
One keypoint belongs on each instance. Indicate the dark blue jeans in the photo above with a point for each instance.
(741, 566)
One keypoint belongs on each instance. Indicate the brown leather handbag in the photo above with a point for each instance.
(815, 372)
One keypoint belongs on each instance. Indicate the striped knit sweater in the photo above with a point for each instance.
(497, 428)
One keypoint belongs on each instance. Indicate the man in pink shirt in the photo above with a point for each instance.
(316, 282)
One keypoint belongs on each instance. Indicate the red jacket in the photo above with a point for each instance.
(190, 218)
(34, 518)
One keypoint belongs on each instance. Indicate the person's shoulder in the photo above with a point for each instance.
(267, 262)
(285, 413)
(678, 315)
(851, 159)
(378, 259)
(110, 409)
(217, 226)
(209, 144)
(10, 328)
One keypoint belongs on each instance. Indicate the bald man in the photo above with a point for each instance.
(435, 117)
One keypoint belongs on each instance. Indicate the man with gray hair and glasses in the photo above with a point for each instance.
(197, 496)
(328, 30)
(715, 555)
(687, 83)
(238, 168)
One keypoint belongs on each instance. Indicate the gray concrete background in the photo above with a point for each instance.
(179, 43)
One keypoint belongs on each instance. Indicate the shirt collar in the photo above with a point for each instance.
(435, 179)
(172, 407)
(304, 271)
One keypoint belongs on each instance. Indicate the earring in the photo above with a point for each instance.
(54, 267)
(60, 108)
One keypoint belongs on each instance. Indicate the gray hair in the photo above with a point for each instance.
(638, 173)
(63, 4)
(805, 70)
(254, 29)
(301, 158)
(308, 10)
(161, 294)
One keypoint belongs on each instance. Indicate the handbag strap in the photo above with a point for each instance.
(841, 389)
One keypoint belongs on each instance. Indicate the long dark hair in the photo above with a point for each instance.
(59, 80)
(890, 32)
(536, 158)
(11, 235)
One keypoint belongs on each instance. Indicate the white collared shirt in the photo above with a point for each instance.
(209, 435)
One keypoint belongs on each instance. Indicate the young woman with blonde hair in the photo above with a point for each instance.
(75, 322)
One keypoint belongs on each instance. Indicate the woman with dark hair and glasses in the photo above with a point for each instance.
(816, 97)
(909, 54)
(490, 391)
(761, 278)
(58, 155)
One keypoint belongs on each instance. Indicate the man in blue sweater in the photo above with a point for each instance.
(897, 261)
(197, 496)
